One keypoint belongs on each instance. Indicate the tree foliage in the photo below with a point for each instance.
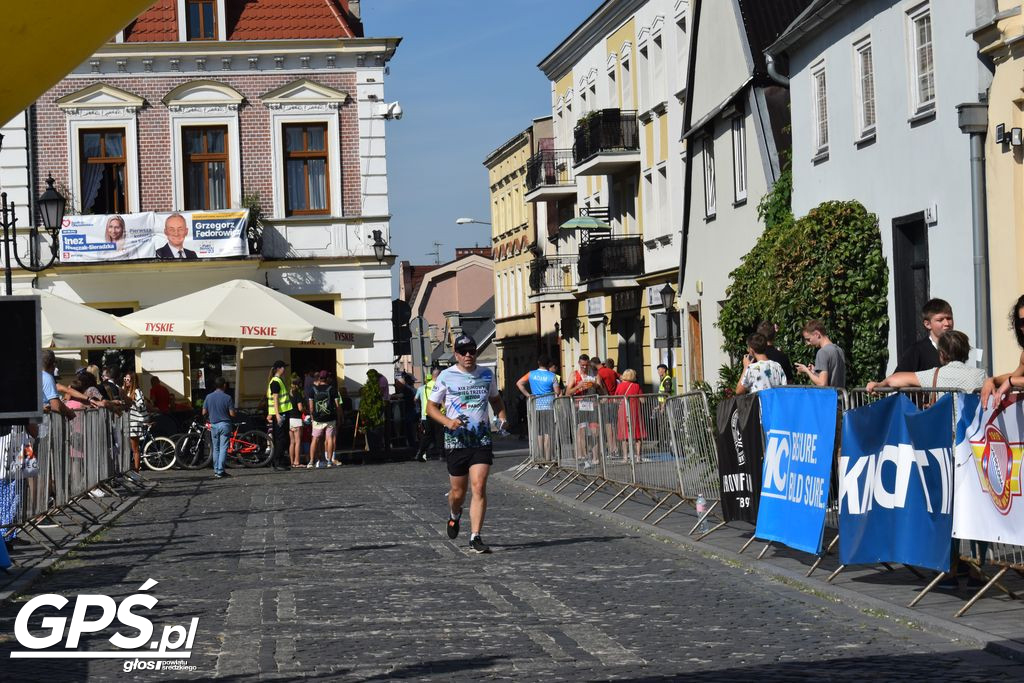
(371, 403)
(826, 265)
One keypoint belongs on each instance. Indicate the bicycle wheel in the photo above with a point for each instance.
(254, 448)
(195, 451)
(158, 455)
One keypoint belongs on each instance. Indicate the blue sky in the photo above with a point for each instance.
(467, 78)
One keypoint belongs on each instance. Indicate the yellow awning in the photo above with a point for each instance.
(43, 41)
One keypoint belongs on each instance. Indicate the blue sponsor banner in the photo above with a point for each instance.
(896, 484)
(799, 435)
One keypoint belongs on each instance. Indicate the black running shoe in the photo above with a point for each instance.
(478, 546)
(453, 528)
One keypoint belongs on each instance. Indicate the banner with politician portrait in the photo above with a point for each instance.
(987, 500)
(184, 235)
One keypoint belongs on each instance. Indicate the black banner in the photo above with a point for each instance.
(740, 452)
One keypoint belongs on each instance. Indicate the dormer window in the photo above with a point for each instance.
(201, 19)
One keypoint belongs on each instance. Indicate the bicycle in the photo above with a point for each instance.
(158, 453)
(253, 448)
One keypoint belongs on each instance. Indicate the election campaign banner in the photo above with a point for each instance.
(800, 437)
(987, 473)
(896, 484)
(185, 235)
(740, 448)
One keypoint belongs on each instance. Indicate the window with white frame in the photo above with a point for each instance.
(864, 63)
(649, 202)
(643, 73)
(661, 181)
(708, 146)
(739, 159)
(614, 97)
(820, 109)
(657, 70)
(922, 66)
(627, 84)
(681, 48)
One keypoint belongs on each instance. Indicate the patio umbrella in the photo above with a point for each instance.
(241, 310)
(70, 325)
(585, 223)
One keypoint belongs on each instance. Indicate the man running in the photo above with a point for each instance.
(465, 390)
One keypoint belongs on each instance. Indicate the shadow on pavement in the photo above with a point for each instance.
(561, 541)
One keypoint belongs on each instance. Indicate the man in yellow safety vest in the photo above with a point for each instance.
(279, 405)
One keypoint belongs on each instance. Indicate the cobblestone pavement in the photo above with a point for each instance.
(346, 574)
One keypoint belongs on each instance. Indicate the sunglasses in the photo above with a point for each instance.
(466, 352)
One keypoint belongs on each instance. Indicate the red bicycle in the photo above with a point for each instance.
(252, 448)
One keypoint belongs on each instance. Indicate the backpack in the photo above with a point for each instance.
(323, 408)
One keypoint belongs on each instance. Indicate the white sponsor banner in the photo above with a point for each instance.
(987, 504)
(124, 237)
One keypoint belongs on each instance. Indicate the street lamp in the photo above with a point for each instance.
(464, 221)
(379, 246)
(51, 206)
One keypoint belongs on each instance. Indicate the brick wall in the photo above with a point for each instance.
(155, 160)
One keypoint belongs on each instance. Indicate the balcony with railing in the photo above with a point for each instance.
(552, 278)
(608, 263)
(550, 175)
(606, 141)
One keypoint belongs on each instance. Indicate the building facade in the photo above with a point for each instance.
(226, 104)
(735, 136)
(514, 244)
(997, 35)
(617, 90)
(876, 135)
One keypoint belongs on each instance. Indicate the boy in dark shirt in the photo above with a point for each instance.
(937, 317)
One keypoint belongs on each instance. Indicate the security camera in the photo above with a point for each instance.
(393, 111)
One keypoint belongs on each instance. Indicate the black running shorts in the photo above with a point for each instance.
(461, 459)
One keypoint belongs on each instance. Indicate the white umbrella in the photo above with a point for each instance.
(70, 325)
(241, 310)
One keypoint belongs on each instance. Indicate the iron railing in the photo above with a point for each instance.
(551, 274)
(611, 257)
(550, 168)
(605, 130)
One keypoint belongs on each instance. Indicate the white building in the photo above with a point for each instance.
(874, 89)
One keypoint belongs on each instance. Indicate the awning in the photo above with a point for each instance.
(242, 311)
(70, 325)
(43, 41)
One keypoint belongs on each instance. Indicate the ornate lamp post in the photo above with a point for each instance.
(51, 207)
(379, 246)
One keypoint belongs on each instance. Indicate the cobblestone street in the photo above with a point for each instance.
(347, 574)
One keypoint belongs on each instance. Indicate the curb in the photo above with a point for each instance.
(38, 570)
(989, 642)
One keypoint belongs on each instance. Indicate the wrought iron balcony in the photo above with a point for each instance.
(549, 174)
(609, 133)
(611, 258)
(551, 278)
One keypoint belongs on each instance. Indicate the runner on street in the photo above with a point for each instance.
(464, 390)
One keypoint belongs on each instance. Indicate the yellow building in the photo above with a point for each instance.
(514, 241)
(617, 87)
(1000, 40)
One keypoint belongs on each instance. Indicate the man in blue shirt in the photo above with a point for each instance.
(544, 387)
(220, 409)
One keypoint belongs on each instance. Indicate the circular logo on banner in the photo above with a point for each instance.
(997, 464)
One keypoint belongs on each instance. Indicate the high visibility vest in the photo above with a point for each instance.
(284, 399)
(664, 388)
(428, 387)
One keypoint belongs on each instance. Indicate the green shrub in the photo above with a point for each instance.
(826, 265)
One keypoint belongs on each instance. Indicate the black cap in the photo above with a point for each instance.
(464, 343)
(278, 364)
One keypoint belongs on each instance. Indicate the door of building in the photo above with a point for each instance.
(695, 344)
(910, 276)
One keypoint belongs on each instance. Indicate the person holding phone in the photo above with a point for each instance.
(759, 371)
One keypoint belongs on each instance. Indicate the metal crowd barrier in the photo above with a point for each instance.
(692, 430)
(59, 469)
(540, 423)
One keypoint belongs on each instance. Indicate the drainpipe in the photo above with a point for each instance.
(773, 72)
(972, 117)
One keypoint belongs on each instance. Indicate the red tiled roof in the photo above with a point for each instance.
(156, 24)
(254, 20)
